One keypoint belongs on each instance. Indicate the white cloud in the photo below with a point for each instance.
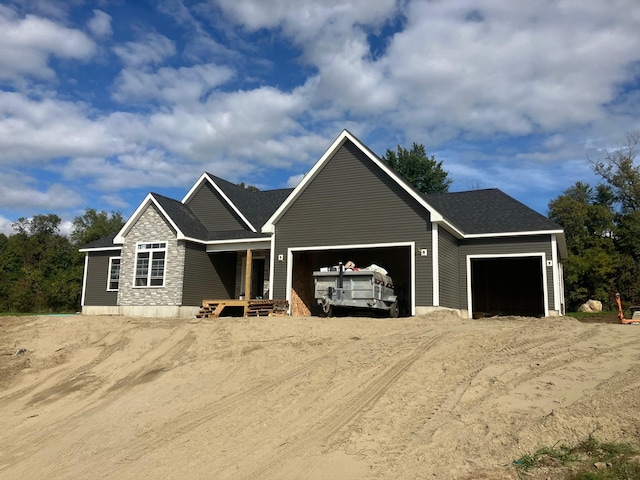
(36, 130)
(27, 43)
(152, 49)
(307, 19)
(21, 193)
(182, 85)
(515, 70)
(100, 24)
(5, 226)
(293, 181)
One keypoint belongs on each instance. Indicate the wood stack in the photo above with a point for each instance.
(264, 308)
(252, 308)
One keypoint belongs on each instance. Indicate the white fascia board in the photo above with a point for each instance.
(149, 199)
(451, 229)
(192, 190)
(205, 177)
(84, 278)
(514, 234)
(269, 226)
(99, 249)
(239, 245)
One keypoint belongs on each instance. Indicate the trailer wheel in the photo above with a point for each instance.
(393, 311)
(327, 308)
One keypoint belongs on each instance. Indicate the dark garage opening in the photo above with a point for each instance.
(507, 286)
(396, 260)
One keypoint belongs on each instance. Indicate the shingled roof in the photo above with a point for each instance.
(478, 212)
(256, 205)
(100, 244)
(182, 216)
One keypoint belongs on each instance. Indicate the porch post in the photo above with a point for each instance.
(247, 280)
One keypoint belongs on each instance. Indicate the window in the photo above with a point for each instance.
(113, 282)
(150, 259)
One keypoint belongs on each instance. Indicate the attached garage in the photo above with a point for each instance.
(396, 259)
(511, 285)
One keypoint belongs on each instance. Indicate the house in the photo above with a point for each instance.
(477, 252)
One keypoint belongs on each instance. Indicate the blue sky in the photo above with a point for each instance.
(104, 101)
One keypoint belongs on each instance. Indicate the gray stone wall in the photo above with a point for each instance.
(152, 228)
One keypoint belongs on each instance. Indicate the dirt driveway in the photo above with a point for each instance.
(306, 398)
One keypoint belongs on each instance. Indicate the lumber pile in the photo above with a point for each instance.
(252, 308)
(263, 308)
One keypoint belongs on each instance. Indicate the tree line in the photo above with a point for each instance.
(41, 269)
(602, 227)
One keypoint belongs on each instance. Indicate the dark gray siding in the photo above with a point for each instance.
(95, 293)
(214, 213)
(207, 276)
(352, 201)
(449, 270)
(505, 246)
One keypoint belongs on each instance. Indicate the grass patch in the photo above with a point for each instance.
(588, 460)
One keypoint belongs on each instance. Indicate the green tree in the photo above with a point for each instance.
(618, 169)
(587, 217)
(41, 269)
(423, 172)
(93, 225)
(251, 188)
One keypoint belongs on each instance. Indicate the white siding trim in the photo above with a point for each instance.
(435, 262)
(543, 260)
(513, 234)
(84, 278)
(557, 300)
(272, 265)
(239, 245)
(291, 250)
(99, 249)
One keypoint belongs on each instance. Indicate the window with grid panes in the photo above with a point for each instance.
(150, 264)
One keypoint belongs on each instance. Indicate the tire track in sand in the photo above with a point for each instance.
(189, 420)
(345, 412)
(177, 341)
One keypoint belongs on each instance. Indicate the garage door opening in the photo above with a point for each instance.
(396, 260)
(507, 286)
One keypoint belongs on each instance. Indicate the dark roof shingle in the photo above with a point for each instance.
(489, 211)
(256, 206)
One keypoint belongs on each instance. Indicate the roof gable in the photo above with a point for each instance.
(252, 207)
(344, 137)
(177, 215)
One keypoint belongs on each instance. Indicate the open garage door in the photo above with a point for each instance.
(395, 259)
(507, 286)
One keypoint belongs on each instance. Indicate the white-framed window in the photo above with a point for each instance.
(113, 282)
(150, 264)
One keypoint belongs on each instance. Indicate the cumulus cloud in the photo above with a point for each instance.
(27, 43)
(153, 48)
(171, 85)
(514, 70)
(22, 193)
(293, 181)
(5, 226)
(100, 24)
(31, 130)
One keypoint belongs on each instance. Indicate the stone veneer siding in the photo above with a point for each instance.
(152, 228)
